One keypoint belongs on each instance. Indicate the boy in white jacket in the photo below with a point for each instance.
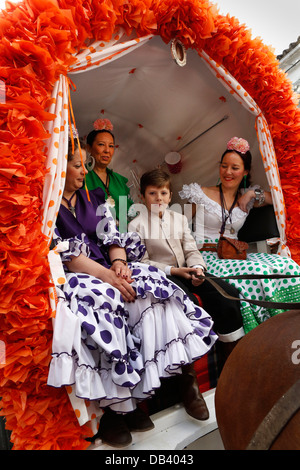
(171, 247)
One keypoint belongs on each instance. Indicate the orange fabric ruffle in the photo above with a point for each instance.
(190, 21)
(38, 40)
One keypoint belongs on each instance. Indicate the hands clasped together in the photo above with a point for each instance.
(119, 276)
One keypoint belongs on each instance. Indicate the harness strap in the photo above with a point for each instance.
(260, 303)
(277, 418)
(258, 276)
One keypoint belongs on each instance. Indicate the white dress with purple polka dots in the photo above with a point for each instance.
(117, 352)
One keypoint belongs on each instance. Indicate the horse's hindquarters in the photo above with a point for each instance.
(260, 370)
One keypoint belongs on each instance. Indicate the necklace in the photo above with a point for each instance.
(229, 212)
(110, 200)
(70, 207)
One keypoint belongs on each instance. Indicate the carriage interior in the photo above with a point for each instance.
(158, 106)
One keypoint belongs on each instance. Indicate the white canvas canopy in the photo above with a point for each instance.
(157, 107)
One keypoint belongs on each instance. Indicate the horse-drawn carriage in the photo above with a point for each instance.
(173, 77)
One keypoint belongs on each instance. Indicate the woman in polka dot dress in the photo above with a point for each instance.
(121, 326)
(234, 177)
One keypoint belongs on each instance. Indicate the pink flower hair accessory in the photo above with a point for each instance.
(103, 124)
(238, 144)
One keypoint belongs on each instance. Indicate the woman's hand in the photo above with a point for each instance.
(82, 264)
(116, 279)
(189, 273)
(122, 270)
(117, 256)
(245, 199)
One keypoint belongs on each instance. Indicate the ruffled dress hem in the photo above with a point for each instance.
(164, 330)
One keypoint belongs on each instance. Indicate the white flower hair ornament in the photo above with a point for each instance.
(238, 144)
(103, 124)
(73, 132)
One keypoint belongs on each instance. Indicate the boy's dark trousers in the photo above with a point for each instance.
(225, 313)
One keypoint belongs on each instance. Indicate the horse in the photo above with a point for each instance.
(257, 396)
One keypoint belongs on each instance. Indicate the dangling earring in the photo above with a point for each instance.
(218, 182)
(245, 181)
(90, 163)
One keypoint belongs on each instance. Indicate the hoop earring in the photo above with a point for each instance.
(90, 163)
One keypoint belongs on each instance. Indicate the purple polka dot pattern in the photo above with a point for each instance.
(90, 329)
(106, 336)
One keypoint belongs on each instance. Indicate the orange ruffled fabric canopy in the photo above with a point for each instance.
(38, 40)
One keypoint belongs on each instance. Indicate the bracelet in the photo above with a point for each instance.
(121, 260)
(259, 196)
(262, 199)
